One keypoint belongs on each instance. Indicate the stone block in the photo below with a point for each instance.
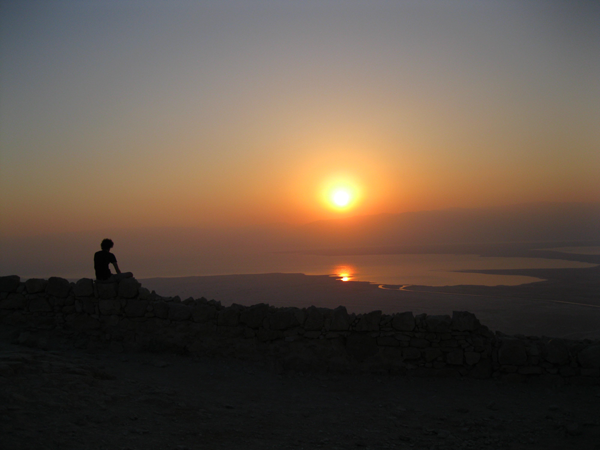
(109, 306)
(512, 352)
(590, 372)
(129, 288)
(136, 308)
(419, 343)
(179, 311)
(314, 319)
(35, 285)
(39, 304)
(403, 321)
(254, 316)
(228, 317)
(89, 305)
(283, 319)
(206, 313)
(590, 357)
(472, 358)
(464, 321)
(369, 321)
(530, 370)
(10, 283)
(82, 322)
(431, 354)
(438, 324)
(411, 353)
(361, 347)
(455, 357)
(106, 290)
(556, 352)
(161, 309)
(58, 287)
(84, 288)
(388, 341)
(339, 320)
(13, 301)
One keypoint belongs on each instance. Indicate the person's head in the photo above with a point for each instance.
(107, 244)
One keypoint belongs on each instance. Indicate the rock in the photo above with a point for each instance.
(283, 319)
(590, 357)
(89, 305)
(129, 288)
(229, 317)
(410, 353)
(14, 301)
(431, 353)
(136, 308)
(161, 309)
(58, 287)
(369, 322)
(438, 324)
(340, 320)
(482, 370)
(106, 290)
(556, 352)
(39, 304)
(531, 370)
(512, 352)
(314, 319)
(10, 283)
(84, 288)
(82, 322)
(109, 306)
(455, 357)
(179, 312)
(144, 294)
(419, 343)
(472, 358)
(35, 285)
(361, 347)
(253, 316)
(403, 321)
(204, 313)
(464, 321)
(388, 341)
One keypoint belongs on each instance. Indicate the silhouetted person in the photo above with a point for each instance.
(102, 259)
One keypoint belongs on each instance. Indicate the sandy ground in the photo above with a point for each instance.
(71, 399)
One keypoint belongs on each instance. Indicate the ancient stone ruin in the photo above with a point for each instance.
(125, 317)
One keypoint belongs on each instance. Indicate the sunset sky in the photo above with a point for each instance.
(205, 113)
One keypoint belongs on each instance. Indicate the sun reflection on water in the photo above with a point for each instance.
(344, 273)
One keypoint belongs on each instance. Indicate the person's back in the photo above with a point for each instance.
(101, 261)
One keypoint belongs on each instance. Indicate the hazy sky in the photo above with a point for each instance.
(183, 113)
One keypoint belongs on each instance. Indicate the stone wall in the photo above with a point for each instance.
(127, 317)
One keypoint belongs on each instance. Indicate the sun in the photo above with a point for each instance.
(341, 193)
(341, 198)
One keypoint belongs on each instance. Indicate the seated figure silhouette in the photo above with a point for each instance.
(102, 259)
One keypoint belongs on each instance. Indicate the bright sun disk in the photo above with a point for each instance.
(341, 198)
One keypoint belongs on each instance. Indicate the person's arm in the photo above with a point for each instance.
(116, 267)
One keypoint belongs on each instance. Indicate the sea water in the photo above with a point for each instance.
(401, 269)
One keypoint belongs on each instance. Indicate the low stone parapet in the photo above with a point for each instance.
(125, 316)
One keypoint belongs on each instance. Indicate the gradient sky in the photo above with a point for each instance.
(203, 113)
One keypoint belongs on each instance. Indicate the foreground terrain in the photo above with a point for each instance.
(63, 398)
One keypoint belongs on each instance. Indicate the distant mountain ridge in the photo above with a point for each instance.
(532, 222)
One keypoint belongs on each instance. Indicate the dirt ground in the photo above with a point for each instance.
(74, 399)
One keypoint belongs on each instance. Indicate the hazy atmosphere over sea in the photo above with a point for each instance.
(194, 132)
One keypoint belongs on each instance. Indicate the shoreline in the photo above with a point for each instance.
(566, 304)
